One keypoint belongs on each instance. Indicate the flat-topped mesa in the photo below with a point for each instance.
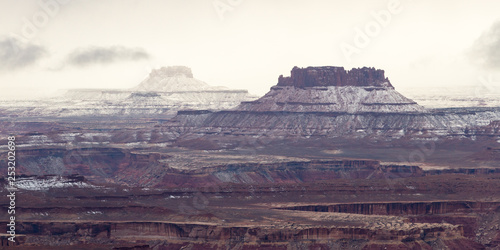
(172, 71)
(335, 76)
(172, 79)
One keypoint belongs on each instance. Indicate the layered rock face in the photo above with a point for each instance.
(319, 215)
(346, 99)
(215, 236)
(333, 102)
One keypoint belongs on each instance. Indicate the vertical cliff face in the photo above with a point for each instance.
(216, 236)
(334, 76)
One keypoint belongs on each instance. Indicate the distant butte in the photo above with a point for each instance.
(331, 102)
(334, 76)
(173, 71)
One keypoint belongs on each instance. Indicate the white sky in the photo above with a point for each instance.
(427, 43)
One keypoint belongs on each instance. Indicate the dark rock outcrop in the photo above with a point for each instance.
(334, 76)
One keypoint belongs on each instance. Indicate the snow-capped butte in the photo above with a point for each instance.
(173, 79)
(164, 92)
(333, 89)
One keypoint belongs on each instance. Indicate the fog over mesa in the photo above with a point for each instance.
(50, 45)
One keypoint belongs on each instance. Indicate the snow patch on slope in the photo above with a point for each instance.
(349, 99)
(33, 184)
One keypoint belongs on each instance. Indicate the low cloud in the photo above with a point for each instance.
(486, 49)
(105, 55)
(14, 54)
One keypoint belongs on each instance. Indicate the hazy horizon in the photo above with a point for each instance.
(50, 45)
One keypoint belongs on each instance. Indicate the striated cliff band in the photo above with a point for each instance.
(330, 102)
(328, 159)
